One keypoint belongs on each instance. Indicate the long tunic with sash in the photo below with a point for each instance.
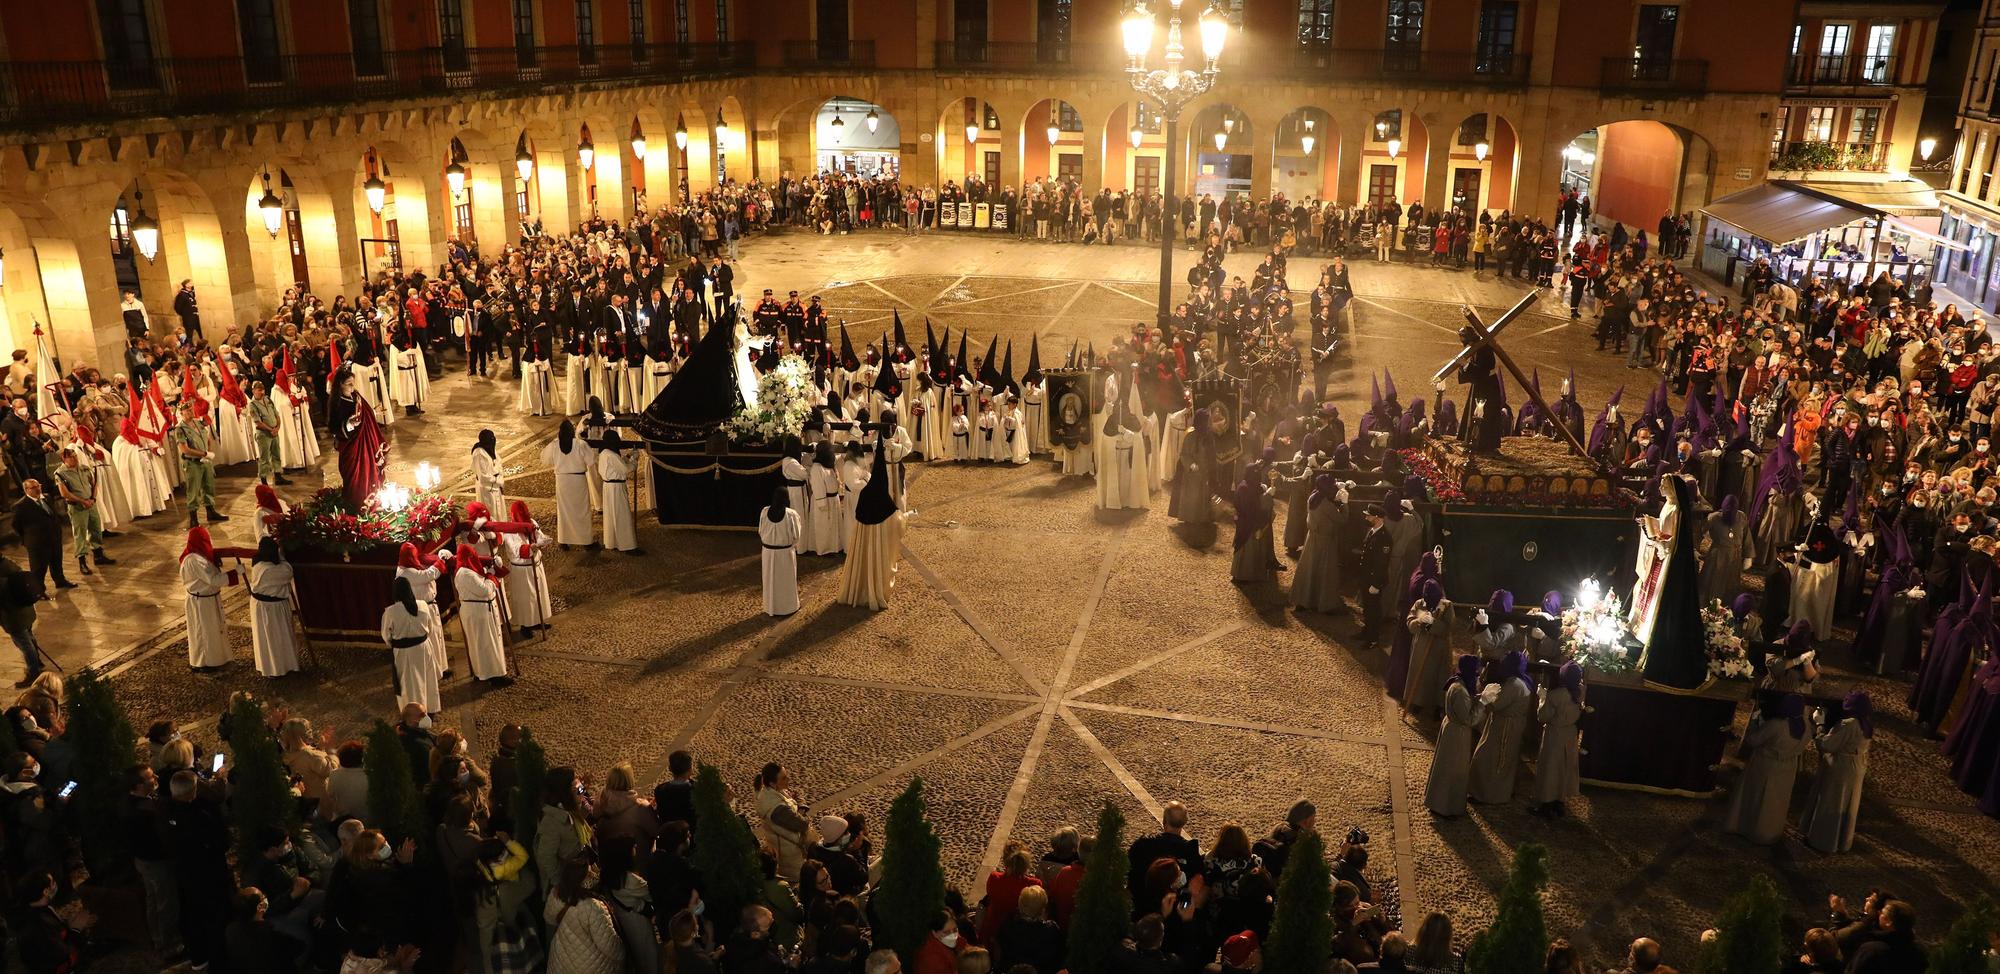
(202, 580)
(527, 581)
(1498, 756)
(572, 489)
(479, 615)
(1835, 804)
(780, 539)
(619, 532)
(796, 495)
(1316, 582)
(271, 640)
(826, 524)
(1555, 764)
(112, 507)
(1430, 655)
(488, 482)
(537, 388)
(423, 583)
(416, 676)
(1451, 764)
(1763, 796)
(138, 471)
(869, 573)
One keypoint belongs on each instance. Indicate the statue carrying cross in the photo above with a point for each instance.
(1479, 338)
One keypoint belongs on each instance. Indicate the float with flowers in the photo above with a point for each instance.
(1639, 735)
(716, 434)
(344, 559)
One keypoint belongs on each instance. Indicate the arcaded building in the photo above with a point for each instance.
(142, 142)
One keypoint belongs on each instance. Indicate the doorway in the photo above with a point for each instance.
(1381, 184)
(1465, 188)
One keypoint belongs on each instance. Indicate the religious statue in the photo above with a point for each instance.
(363, 453)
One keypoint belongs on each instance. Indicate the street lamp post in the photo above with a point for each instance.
(1173, 88)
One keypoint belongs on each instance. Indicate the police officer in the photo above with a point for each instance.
(78, 486)
(196, 445)
(264, 416)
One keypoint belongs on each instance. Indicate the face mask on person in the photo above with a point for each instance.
(425, 723)
(949, 939)
(1954, 437)
(464, 777)
(383, 852)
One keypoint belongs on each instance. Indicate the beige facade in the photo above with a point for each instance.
(201, 177)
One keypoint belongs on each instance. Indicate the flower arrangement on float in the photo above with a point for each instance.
(783, 400)
(392, 515)
(1593, 630)
(1728, 656)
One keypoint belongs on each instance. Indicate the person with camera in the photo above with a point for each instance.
(1358, 926)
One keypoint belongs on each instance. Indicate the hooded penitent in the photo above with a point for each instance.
(875, 504)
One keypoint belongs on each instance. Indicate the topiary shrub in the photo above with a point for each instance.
(1963, 948)
(104, 747)
(725, 853)
(1302, 918)
(1103, 911)
(1747, 937)
(260, 788)
(531, 765)
(393, 805)
(911, 891)
(1518, 940)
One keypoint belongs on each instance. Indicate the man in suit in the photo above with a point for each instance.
(1374, 573)
(40, 526)
(616, 320)
(478, 338)
(184, 305)
(18, 595)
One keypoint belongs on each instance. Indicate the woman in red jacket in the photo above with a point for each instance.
(1003, 889)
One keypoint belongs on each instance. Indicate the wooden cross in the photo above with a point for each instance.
(1488, 338)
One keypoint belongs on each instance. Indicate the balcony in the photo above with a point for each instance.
(1022, 56)
(1650, 75)
(1823, 156)
(826, 53)
(1405, 67)
(43, 92)
(1840, 71)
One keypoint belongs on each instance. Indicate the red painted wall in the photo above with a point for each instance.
(41, 31)
(201, 28)
(1638, 165)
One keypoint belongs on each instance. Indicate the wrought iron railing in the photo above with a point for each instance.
(1655, 74)
(829, 54)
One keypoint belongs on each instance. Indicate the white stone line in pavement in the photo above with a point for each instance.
(986, 635)
(1010, 810)
(1111, 763)
(1289, 730)
(1062, 313)
(910, 766)
(1399, 812)
(1404, 314)
(1068, 282)
(1152, 661)
(788, 676)
(743, 672)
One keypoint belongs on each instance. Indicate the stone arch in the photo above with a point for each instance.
(1481, 162)
(307, 245)
(1067, 154)
(408, 216)
(1140, 167)
(1395, 160)
(697, 164)
(841, 137)
(195, 244)
(1222, 138)
(1635, 169)
(483, 208)
(1305, 154)
(733, 158)
(44, 284)
(958, 156)
(658, 172)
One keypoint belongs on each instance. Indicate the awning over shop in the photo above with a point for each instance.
(1779, 214)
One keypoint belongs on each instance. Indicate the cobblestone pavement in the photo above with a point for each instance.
(1041, 657)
